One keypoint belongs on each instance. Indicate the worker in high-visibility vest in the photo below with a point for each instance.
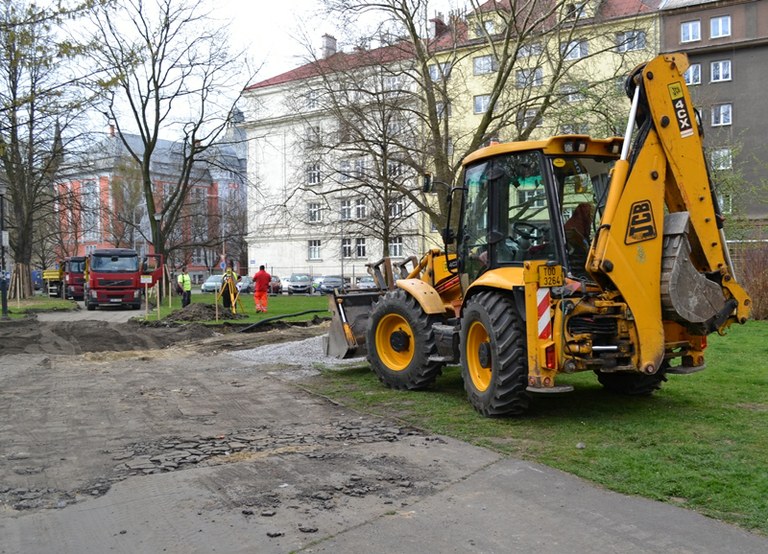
(185, 284)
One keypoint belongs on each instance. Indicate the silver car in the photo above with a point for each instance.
(300, 283)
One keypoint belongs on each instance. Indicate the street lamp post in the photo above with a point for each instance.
(3, 241)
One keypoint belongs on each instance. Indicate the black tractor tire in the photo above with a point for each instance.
(400, 340)
(632, 384)
(90, 307)
(494, 359)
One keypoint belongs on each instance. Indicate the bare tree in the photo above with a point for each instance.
(40, 101)
(529, 53)
(169, 71)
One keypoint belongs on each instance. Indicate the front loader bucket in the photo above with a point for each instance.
(346, 337)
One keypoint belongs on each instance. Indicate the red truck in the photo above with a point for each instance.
(116, 277)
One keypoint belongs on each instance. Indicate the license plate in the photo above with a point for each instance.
(550, 276)
(115, 300)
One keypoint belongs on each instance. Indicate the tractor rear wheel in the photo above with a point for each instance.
(632, 384)
(400, 341)
(494, 360)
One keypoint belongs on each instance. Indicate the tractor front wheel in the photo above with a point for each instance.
(400, 341)
(494, 360)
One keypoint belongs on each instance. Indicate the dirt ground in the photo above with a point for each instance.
(181, 328)
(87, 405)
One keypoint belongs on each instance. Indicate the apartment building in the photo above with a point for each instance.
(727, 47)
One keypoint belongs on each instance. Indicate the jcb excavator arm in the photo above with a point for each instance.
(668, 264)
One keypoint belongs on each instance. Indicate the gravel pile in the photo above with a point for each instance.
(308, 356)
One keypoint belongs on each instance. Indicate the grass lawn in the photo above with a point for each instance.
(700, 443)
(282, 306)
(278, 306)
(19, 309)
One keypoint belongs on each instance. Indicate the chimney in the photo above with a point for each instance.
(328, 47)
(437, 26)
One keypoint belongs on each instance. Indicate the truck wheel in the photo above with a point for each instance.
(90, 307)
(494, 359)
(632, 384)
(400, 341)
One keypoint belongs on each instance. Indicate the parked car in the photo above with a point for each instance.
(300, 283)
(246, 284)
(367, 283)
(331, 283)
(212, 284)
(275, 285)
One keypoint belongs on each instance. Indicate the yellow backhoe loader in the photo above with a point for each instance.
(572, 254)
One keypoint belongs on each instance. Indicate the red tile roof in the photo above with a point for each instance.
(342, 61)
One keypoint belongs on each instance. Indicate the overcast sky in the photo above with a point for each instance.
(272, 30)
(277, 31)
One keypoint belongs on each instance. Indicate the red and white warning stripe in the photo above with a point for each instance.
(545, 319)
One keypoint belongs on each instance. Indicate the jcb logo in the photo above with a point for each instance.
(641, 225)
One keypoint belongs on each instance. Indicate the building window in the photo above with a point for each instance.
(720, 26)
(311, 98)
(360, 248)
(487, 27)
(572, 93)
(360, 210)
(313, 250)
(630, 40)
(692, 75)
(720, 71)
(313, 173)
(346, 210)
(90, 211)
(315, 212)
(721, 158)
(396, 247)
(726, 203)
(346, 248)
(575, 10)
(443, 109)
(359, 170)
(721, 115)
(527, 118)
(345, 170)
(575, 49)
(690, 31)
(529, 77)
(312, 136)
(390, 83)
(394, 169)
(574, 129)
(534, 198)
(484, 64)
(481, 103)
(439, 71)
(397, 208)
(528, 50)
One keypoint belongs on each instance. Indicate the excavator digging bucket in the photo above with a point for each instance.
(346, 337)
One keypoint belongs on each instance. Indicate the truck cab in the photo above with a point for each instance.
(113, 277)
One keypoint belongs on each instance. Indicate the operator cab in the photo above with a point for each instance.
(514, 192)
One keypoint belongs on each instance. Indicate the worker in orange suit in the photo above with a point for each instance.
(261, 281)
